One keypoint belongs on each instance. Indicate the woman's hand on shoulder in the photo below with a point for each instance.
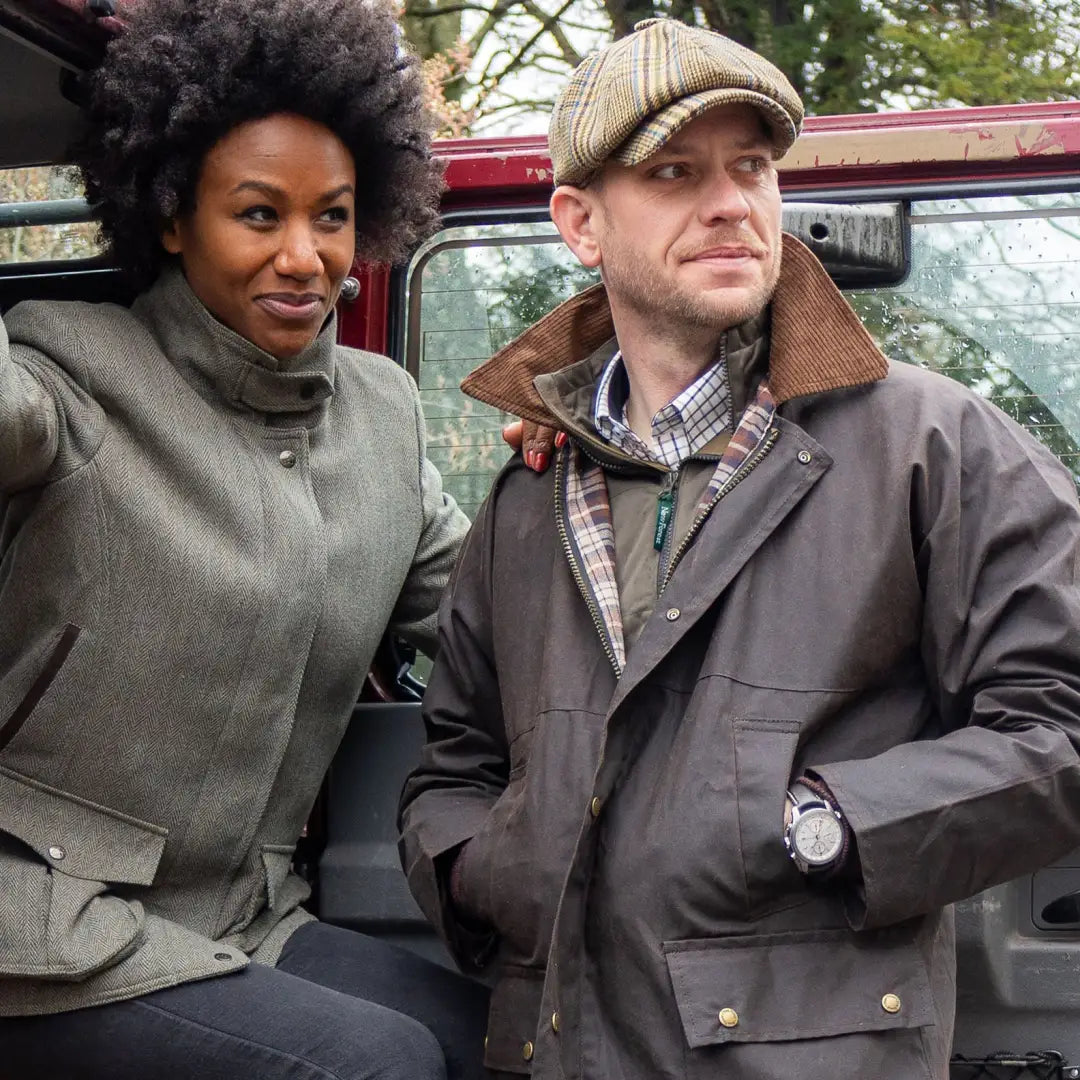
(535, 442)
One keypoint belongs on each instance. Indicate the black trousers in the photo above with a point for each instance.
(338, 1006)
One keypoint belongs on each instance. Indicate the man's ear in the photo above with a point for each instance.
(170, 238)
(576, 213)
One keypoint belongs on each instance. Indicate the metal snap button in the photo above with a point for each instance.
(729, 1018)
(890, 1003)
(56, 852)
(595, 805)
(555, 1022)
(672, 614)
(805, 457)
(287, 458)
(222, 956)
(527, 1051)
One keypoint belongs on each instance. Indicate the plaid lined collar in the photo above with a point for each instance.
(584, 506)
(684, 426)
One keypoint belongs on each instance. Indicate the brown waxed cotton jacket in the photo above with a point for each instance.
(889, 599)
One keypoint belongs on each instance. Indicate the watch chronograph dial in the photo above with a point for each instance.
(818, 836)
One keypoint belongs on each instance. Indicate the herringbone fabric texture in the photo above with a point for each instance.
(220, 542)
(626, 101)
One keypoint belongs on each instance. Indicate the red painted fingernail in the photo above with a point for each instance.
(529, 459)
(541, 461)
(560, 439)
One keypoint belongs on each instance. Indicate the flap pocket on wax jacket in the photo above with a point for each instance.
(77, 837)
(797, 985)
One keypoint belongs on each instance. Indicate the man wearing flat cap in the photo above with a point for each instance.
(782, 661)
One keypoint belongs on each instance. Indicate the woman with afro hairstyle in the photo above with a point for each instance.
(210, 513)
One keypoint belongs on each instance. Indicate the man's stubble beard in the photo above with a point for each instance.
(676, 313)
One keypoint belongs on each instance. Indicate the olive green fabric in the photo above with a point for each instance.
(633, 517)
(201, 550)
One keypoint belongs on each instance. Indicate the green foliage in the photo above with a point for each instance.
(854, 55)
(842, 56)
(979, 53)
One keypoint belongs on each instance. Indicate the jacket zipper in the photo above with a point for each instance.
(575, 570)
(733, 481)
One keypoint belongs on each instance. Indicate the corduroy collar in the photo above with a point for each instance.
(240, 372)
(817, 342)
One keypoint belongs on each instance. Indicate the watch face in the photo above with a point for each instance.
(817, 836)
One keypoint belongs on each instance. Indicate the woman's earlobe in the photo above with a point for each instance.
(170, 239)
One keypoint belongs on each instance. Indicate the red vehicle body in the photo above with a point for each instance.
(957, 233)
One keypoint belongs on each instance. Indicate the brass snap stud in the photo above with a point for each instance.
(595, 805)
(890, 1003)
(555, 1022)
(729, 1018)
(672, 614)
(804, 457)
(527, 1051)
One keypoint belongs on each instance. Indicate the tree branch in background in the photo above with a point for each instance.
(523, 52)
(840, 55)
(624, 13)
(569, 53)
(448, 9)
(440, 71)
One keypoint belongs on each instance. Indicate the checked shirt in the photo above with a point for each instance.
(680, 430)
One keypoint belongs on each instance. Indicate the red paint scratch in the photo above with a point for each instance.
(1047, 141)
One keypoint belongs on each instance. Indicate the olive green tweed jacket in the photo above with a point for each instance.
(199, 551)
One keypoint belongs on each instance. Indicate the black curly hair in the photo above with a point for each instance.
(186, 72)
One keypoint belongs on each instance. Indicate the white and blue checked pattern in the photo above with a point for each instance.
(680, 429)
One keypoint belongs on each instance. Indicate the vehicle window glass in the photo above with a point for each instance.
(43, 217)
(991, 300)
(471, 291)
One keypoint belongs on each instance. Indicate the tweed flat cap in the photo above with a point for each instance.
(627, 100)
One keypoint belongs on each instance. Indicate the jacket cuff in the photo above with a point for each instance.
(473, 941)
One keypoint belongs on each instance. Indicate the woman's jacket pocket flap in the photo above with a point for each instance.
(79, 837)
(799, 985)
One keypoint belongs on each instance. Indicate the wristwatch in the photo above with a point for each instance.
(815, 836)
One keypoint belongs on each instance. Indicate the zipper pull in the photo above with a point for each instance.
(665, 502)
